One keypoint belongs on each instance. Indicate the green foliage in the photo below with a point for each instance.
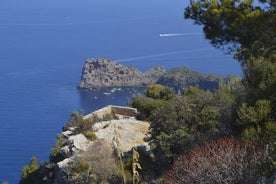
(128, 165)
(257, 125)
(148, 170)
(248, 30)
(84, 125)
(252, 133)
(74, 120)
(79, 123)
(81, 166)
(238, 24)
(5, 182)
(180, 78)
(157, 91)
(225, 100)
(153, 91)
(267, 167)
(254, 115)
(260, 79)
(265, 132)
(90, 135)
(30, 173)
(146, 105)
(109, 117)
(183, 123)
(157, 96)
(60, 142)
(36, 174)
(256, 122)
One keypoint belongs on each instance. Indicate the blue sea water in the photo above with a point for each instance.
(44, 44)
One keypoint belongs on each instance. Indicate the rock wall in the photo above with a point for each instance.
(112, 109)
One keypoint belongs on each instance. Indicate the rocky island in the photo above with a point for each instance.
(99, 73)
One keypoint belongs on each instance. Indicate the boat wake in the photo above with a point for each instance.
(178, 34)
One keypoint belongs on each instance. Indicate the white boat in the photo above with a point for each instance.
(106, 93)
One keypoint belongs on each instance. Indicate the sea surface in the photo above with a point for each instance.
(44, 44)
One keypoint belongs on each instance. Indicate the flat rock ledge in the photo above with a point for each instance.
(128, 132)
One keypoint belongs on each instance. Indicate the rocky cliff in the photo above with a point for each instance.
(98, 73)
(96, 161)
(128, 133)
(105, 73)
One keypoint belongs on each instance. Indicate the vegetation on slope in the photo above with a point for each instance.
(192, 134)
(180, 78)
(226, 160)
(248, 31)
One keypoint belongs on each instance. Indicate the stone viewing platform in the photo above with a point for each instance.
(120, 111)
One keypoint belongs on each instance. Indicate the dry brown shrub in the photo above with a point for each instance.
(101, 160)
(226, 160)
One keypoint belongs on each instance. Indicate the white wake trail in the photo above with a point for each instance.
(179, 34)
(162, 54)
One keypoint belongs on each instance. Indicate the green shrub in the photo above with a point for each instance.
(81, 166)
(60, 142)
(109, 117)
(146, 139)
(84, 125)
(183, 123)
(30, 173)
(37, 174)
(145, 106)
(157, 91)
(90, 135)
(74, 120)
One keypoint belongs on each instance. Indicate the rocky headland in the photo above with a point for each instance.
(99, 73)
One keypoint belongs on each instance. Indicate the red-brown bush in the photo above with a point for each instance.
(226, 160)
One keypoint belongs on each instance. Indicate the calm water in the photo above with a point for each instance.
(43, 46)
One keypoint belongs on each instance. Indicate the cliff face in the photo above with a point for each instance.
(105, 73)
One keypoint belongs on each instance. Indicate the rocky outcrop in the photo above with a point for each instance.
(128, 133)
(122, 133)
(99, 73)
